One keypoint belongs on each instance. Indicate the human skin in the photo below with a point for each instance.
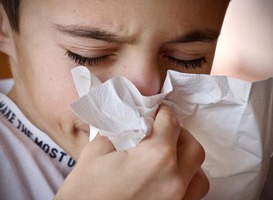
(138, 39)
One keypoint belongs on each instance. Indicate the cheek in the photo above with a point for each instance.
(47, 78)
(53, 94)
(55, 86)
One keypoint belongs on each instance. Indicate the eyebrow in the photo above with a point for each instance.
(98, 34)
(198, 36)
(90, 33)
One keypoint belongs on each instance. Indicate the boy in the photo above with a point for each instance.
(140, 40)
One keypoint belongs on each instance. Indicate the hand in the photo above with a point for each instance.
(165, 165)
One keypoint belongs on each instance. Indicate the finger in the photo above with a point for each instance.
(99, 146)
(190, 155)
(166, 127)
(198, 187)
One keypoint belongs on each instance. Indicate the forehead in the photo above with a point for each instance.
(130, 16)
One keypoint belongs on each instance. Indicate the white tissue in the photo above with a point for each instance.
(115, 108)
(232, 119)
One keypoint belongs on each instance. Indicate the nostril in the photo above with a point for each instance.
(148, 86)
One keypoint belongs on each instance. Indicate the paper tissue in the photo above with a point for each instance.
(231, 118)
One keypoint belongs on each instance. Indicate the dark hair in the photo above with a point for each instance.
(12, 9)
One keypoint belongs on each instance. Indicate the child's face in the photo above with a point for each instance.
(138, 39)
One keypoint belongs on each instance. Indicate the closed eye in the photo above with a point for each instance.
(85, 61)
(187, 64)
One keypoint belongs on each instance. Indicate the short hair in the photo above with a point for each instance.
(12, 9)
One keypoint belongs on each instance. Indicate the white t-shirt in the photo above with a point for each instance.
(32, 165)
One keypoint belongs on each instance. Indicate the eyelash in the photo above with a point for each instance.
(81, 60)
(187, 64)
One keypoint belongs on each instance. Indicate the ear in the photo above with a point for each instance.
(6, 33)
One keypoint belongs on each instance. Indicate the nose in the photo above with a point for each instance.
(142, 69)
(147, 81)
(144, 73)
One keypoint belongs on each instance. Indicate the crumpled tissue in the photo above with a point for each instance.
(231, 118)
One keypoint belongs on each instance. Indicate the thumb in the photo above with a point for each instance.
(166, 127)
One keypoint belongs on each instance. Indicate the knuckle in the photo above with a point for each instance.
(170, 119)
(200, 152)
(197, 151)
(206, 187)
(204, 181)
(180, 187)
(163, 158)
(200, 184)
(177, 188)
(167, 155)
